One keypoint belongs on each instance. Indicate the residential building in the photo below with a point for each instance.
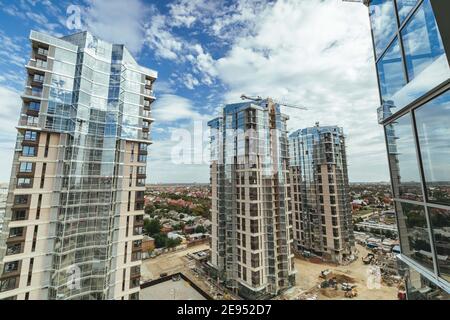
(251, 214)
(3, 196)
(411, 40)
(74, 214)
(321, 208)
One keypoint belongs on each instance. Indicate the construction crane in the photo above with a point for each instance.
(259, 99)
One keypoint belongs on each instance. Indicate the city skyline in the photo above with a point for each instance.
(198, 59)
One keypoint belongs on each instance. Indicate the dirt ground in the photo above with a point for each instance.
(169, 263)
(307, 277)
(307, 280)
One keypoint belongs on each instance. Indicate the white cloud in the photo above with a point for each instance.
(169, 107)
(10, 105)
(118, 21)
(317, 54)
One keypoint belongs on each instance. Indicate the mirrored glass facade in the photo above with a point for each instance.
(411, 51)
(320, 192)
(84, 129)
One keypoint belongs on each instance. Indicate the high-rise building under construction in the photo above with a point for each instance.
(251, 214)
(320, 193)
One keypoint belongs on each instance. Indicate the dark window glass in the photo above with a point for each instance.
(440, 225)
(422, 42)
(433, 132)
(384, 23)
(390, 72)
(403, 159)
(414, 233)
(34, 106)
(404, 8)
(21, 199)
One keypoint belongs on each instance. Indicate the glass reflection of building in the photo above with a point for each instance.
(74, 217)
(411, 41)
(251, 213)
(320, 193)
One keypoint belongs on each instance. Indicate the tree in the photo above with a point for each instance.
(160, 240)
(152, 226)
(200, 229)
(171, 243)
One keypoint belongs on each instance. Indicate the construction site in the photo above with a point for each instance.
(373, 276)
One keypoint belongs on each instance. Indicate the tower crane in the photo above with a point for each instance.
(281, 103)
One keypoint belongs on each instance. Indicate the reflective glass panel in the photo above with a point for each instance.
(440, 225)
(390, 72)
(403, 159)
(404, 8)
(433, 132)
(414, 233)
(384, 23)
(421, 40)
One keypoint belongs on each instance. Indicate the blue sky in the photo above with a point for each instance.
(207, 53)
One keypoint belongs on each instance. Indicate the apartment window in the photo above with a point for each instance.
(16, 232)
(19, 215)
(134, 283)
(34, 106)
(384, 23)
(255, 260)
(135, 256)
(255, 278)
(143, 146)
(140, 182)
(390, 71)
(21, 199)
(14, 248)
(422, 28)
(28, 151)
(254, 243)
(142, 158)
(440, 224)
(30, 135)
(403, 159)
(141, 170)
(42, 51)
(253, 209)
(38, 77)
(9, 284)
(253, 194)
(432, 126)
(26, 167)
(11, 266)
(41, 63)
(413, 224)
(254, 227)
(24, 183)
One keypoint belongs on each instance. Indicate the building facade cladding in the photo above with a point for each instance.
(412, 48)
(320, 193)
(251, 214)
(74, 212)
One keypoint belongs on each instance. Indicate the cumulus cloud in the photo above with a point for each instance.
(308, 52)
(118, 21)
(170, 107)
